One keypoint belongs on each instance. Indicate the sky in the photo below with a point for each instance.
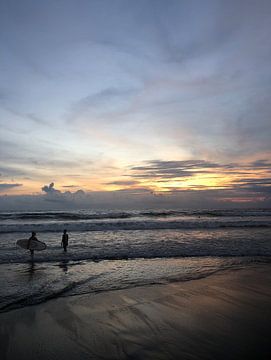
(154, 103)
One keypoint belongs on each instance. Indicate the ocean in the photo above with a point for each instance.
(110, 250)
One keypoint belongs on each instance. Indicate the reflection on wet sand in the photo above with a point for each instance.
(64, 265)
(225, 316)
(31, 270)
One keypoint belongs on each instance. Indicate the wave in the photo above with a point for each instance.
(63, 216)
(92, 215)
(39, 297)
(130, 248)
(132, 225)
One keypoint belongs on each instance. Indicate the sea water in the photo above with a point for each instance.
(114, 250)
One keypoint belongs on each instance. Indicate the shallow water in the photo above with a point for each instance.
(114, 259)
(31, 283)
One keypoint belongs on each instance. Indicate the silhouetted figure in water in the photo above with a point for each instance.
(32, 237)
(65, 240)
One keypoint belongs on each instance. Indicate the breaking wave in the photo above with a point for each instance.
(103, 215)
(131, 225)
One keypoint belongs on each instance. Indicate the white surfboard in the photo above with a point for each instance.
(34, 244)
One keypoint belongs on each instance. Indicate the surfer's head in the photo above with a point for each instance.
(64, 231)
(33, 233)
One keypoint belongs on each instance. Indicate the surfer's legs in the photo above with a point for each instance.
(31, 253)
(65, 247)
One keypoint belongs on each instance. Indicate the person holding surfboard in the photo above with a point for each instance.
(32, 238)
(65, 240)
(31, 244)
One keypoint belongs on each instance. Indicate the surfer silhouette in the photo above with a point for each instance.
(65, 240)
(32, 237)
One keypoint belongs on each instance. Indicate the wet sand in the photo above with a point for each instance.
(224, 316)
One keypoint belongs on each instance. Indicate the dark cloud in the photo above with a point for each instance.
(49, 189)
(123, 182)
(186, 164)
(260, 189)
(245, 182)
(261, 164)
(174, 169)
(141, 198)
(189, 168)
(6, 186)
(52, 194)
(251, 189)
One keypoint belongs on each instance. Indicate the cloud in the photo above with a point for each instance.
(36, 119)
(123, 182)
(221, 182)
(173, 169)
(67, 197)
(189, 168)
(6, 186)
(261, 164)
(49, 189)
(102, 104)
(248, 182)
(139, 199)
(253, 187)
(9, 171)
(252, 190)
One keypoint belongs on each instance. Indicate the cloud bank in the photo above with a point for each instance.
(243, 192)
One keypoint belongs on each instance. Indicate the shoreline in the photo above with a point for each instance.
(226, 315)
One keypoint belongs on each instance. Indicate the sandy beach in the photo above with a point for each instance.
(224, 316)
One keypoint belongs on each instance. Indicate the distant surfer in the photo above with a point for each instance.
(65, 240)
(32, 238)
